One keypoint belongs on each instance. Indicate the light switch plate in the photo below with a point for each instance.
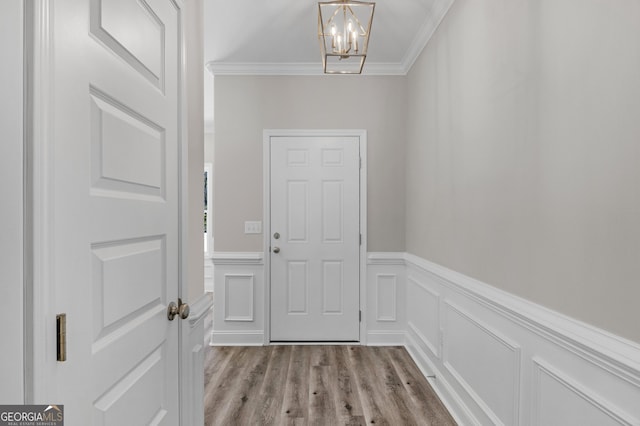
(253, 227)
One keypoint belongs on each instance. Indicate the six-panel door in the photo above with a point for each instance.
(315, 233)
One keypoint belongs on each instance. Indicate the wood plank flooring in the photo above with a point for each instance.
(318, 385)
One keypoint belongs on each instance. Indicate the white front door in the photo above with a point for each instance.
(315, 234)
(112, 159)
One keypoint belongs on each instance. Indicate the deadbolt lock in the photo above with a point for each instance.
(276, 235)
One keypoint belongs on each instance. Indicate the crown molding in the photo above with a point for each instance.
(428, 28)
(264, 68)
(426, 31)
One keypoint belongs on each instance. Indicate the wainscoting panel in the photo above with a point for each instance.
(386, 297)
(498, 359)
(423, 315)
(239, 295)
(559, 399)
(238, 301)
(384, 311)
(494, 387)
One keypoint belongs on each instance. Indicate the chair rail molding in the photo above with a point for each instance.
(237, 258)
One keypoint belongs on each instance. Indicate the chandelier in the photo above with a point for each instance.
(343, 30)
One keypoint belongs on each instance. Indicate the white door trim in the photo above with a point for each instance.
(266, 214)
(39, 290)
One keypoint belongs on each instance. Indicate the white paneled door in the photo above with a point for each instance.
(315, 238)
(113, 163)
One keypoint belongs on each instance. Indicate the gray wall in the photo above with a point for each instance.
(245, 105)
(523, 155)
(11, 194)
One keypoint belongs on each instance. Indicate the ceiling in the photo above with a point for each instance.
(279, 37)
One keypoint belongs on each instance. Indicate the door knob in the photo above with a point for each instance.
(172, 311)
(183, 309)
(276, 249)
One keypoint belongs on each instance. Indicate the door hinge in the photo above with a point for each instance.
(360, 164)
(360, 316)
(360, 239)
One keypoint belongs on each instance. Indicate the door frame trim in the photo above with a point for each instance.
(39, 288)
(266, 214)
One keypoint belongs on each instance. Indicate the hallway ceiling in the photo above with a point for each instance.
(279, 37)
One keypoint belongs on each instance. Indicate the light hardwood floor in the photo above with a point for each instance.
(318, 385)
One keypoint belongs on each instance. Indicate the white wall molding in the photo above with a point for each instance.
(386, 258)
(385, 299)
(200, 309)
(592, 405)
(237, 337)
(429, 307)
(490, 336)
(449, 397)
(238, 302)
(239, 297)
(312, 68)
(237, 258)
(385, 338)
(425, 33)
(432, 20)
(616, 354)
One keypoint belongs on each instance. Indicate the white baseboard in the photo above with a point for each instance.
(385, 338)
(237, 338)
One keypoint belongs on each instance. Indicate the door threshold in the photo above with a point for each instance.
(314, 342)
